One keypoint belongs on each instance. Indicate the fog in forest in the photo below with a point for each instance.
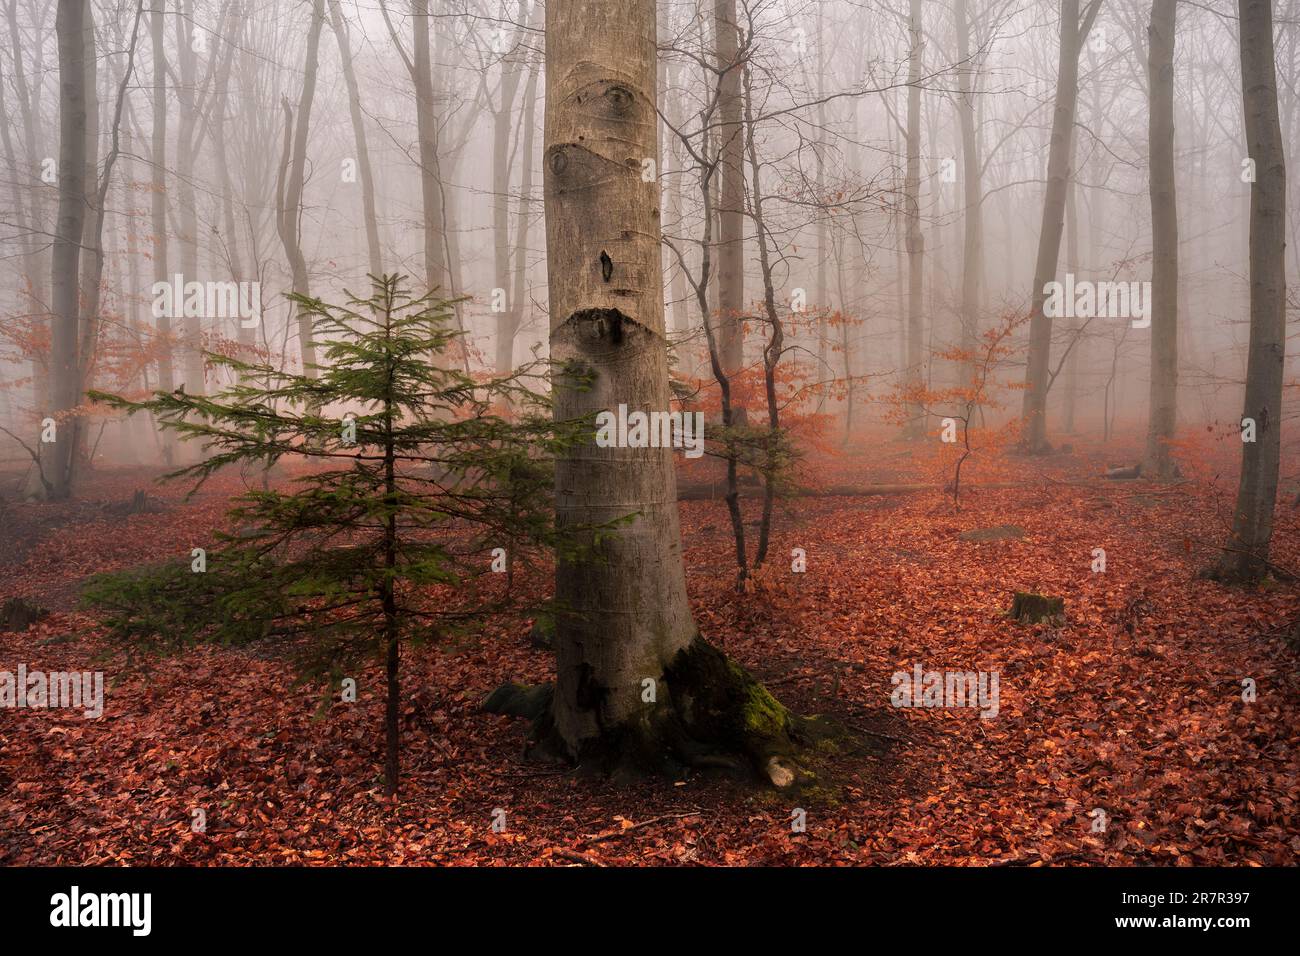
(902, 164)
(862, 432)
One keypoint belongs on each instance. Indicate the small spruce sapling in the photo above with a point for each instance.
(412, 475)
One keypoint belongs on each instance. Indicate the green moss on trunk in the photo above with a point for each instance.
(709, 712)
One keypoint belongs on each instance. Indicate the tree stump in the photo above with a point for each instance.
(18, 614)
(1030, 608)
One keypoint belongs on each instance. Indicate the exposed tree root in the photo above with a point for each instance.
(708, 712)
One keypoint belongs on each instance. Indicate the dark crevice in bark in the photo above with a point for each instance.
(608, 322)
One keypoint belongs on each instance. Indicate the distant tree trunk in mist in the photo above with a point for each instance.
(1098, 213)
(972, 260)
(27, 194)
(1252, 526)
(1072, 265)
(518, 294)
(158, 209)
(186, 200)
(71, 23)
(823, 286)
(731, 191)
(92, 257)
(1163, 409)
(245, 335)
(914, 239)
(676, 208)
(289, 188)
(678, 293)
(775, 344)
(1034, 406)
(97, 203)
(364, 174)
(501, 242)
(426, 122)
(624, 618)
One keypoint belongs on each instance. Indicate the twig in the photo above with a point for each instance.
(576, 857)
(877, 733)
(615, 834)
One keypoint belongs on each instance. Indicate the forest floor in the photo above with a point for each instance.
(1133, 706)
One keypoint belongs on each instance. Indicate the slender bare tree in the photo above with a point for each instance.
(1163, 412)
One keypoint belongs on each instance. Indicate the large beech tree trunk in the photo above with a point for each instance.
(635, 682)
(1252, 526)
(1164, 243)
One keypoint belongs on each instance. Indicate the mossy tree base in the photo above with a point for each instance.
(707, 712)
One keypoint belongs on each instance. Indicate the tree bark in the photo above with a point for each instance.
(634, 680)
(29, 191)
(1247, 551)
(71, 23)
(972, 267)
(519, 293)
(1037, 372)
(426, 122)
(915, 240)
(364, 173)
(731, 190)
(194, 375)
(289, 191)
(1163, 409)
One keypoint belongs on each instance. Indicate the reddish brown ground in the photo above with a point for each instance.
(1134, 706)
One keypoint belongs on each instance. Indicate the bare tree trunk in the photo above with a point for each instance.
(426, 122)
(914, 239)
(1163, 410)
(92, 259)
(1073, 34)
(1252, 527)
(731, 191)
(93, 231)
(775, 344)
(972, 267)
(523, 213)
(158, 207)
(364, 173)
(1072, 265)
(676, 209)
(511, 74)
(28, 96)
(1098, 213)
(634, 680)
(824, 310)
(72, 21)
(186, 200)
(289, 189)
(245, 334)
